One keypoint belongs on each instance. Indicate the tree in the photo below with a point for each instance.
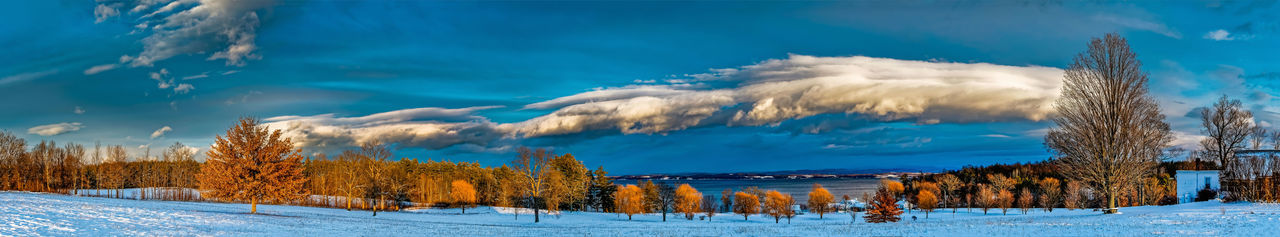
(1000, 182)
(1109, 131)
(253, 163)
(1072, 198)
(114, 170)
(350, 176)
(745, 204)
(530, 165)
(726, 198)
(462, 193)
(820, 200)
(925, 186)
(376, 185)
(788, 201)
(666, 199)
(894, 187)
(1005, 200)
(602, 190)
(1050, 190)
(1025, 199)
(775, 205)
(884, 208)
(1226, 126)
(688, 201)
(948, 184)
(927, 202)
(629, 200)
(986, 198)
(709, 206)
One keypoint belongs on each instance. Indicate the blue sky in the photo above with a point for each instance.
(637, 87)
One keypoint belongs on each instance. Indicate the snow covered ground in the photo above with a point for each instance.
(36, 214)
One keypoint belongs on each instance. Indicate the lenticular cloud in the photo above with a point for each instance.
(763, 94)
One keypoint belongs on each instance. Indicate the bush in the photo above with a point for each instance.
(1206, 195)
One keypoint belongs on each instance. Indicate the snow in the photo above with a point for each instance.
(38, 214)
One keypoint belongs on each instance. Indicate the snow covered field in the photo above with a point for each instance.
(35, 214)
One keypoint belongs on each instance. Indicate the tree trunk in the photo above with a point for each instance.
(253, 205)
(1111, 205)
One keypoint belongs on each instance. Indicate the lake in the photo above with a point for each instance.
(854, 187)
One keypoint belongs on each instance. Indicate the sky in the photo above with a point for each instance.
(634, 86)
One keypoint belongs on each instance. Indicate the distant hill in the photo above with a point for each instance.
(790, 174)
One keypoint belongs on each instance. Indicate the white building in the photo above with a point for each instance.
(1192, 181)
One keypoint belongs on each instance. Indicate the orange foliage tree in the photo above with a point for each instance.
(819, 200)
(688, 201)
(629, 200)
(255, 164)
(745, 204)
(462, 193)
(1005, 200)
(927, 201)
(775, 204)
(884, 208)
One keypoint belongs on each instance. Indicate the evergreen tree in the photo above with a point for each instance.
(884, 208)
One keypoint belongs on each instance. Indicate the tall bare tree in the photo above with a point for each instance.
(1109, 132)
(1226, 126)
(530, 164)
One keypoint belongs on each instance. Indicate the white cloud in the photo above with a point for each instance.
(767, 93)
(102, 12)
(99, 68)
(225, 27)
(197, 76)
(21, 77)
(421, 127)
(160, 132)
(800, 86)
(78, 110)
(54, 129)
(1224, 35)
(162, 78)
(604, 95)
(183, 88)
(1152, 26)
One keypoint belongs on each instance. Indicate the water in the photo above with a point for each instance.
(854, 187)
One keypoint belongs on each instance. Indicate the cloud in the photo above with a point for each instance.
(183, 88)
(99, 68)
(764, 94)
(603, 95)
(801, 86)
(227, 28)
(1156, 27)
(433, 128)
(162, 78)
(103, 11)
(54, 129)
(197, 76)
(1224, 35)
(78, 110)
(21, 77)
(160, 132)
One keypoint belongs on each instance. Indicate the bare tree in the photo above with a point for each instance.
(1109, 132)
(1258, 137)
(1226, 126)
(529, 163)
